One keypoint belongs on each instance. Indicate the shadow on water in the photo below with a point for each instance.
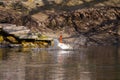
(90, 63)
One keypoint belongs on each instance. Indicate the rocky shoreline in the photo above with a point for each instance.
(94, 26)
(88, 26)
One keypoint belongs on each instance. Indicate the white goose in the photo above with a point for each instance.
(57, 44)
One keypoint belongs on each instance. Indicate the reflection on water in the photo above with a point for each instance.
(91, 63)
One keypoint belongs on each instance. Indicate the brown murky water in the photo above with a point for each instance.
(91, 63)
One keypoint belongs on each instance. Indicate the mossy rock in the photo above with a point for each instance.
(12, 39)
(42, 37)
(34, 44)
(1, 39)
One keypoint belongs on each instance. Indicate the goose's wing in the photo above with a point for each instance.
(63, 46)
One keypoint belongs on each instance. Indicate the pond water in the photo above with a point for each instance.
(88, 63)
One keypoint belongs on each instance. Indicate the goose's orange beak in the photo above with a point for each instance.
(60, 38)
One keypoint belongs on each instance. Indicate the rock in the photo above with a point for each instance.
(21, 32)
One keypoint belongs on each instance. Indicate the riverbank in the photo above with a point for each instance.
(87, 26)
(91, 26)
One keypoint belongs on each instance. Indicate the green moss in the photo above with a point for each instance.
(42, 37)
(1, 38)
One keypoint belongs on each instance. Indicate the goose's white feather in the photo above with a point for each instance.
(61, 45)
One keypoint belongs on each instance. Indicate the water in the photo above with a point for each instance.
(89, 63)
